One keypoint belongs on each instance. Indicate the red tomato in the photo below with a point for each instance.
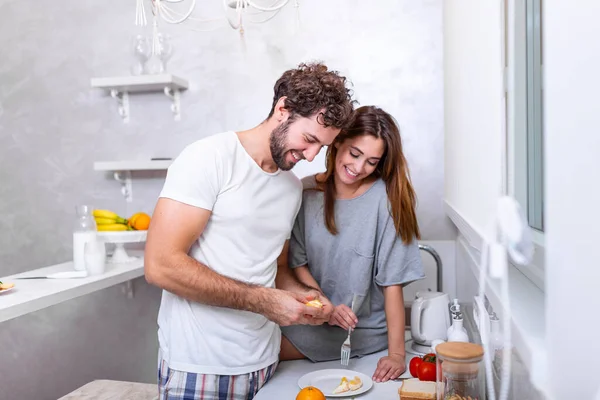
(429, 357)
(413, 366)
(426, 371)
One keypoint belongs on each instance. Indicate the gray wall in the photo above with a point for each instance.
(53, 126)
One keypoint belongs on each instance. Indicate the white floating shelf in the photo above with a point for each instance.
(30, 295)
(140, 83)
(119, 88)
(133, 165)
(122, 171)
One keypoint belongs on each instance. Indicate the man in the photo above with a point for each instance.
(223, 217)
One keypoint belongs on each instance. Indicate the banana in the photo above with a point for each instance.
(109, 215)
(112, 227)
(105, 221)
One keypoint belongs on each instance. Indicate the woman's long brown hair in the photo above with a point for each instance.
(392, 169)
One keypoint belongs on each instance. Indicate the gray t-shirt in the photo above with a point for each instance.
(361, 259)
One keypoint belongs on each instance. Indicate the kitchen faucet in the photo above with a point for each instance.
(438, 263)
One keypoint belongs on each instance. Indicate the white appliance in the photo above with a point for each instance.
(430, 320)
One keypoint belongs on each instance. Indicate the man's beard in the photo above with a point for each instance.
(278, 143)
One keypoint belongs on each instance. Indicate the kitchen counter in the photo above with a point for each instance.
(284, 384)
(113, 390)
(31, 295)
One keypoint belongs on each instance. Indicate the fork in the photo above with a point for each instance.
(346, 347)
(345, 358)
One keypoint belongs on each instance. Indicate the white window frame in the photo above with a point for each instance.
(523, 159)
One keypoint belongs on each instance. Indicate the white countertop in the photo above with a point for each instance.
(284, 384)
(111, 390)
(31, 295)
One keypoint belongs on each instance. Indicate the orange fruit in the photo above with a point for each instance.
(139, 221)
(310, 393)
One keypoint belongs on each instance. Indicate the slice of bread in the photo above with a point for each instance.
(414, 389)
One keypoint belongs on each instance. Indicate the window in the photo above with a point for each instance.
(535, 209)
(524, 58)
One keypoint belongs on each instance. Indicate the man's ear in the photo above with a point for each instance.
(280, 113)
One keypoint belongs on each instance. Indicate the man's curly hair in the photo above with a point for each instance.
(312, 88)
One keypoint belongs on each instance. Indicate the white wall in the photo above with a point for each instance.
(473, 119)
(572, 151)
(475, 139)
(53, 126)
(473, 104)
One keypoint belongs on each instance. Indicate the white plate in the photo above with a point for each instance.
(326, 380)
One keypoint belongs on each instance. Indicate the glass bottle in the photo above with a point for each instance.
(84, 231)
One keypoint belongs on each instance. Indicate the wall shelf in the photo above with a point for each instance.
(30, 295)
(122, 171)
(132, 165)
(120, 87)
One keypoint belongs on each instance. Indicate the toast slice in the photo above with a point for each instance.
(414, 389)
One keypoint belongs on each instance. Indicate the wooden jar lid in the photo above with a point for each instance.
(459, 350)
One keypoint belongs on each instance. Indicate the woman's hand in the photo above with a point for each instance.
(389, 367)
(343, 317)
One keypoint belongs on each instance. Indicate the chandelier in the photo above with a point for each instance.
(236, 13)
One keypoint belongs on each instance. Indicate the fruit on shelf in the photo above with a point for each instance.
(107, 220)
(106, 214)
(113, 227)
(139, 221)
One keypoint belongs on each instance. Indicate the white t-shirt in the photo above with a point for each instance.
(252, 216)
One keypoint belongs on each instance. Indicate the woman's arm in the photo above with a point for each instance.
(303, 275)
(394, 315)
(303, 284)
(394, 364)
(290, 279)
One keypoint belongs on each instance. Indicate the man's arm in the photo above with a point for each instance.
(174, 228)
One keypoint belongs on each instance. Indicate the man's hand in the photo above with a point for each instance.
(389, 367)
(327, 308)
(344, 317)
(288, 308)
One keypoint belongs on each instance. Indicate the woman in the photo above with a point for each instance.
(355, 240)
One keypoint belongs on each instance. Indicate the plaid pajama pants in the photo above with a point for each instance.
(180, 385)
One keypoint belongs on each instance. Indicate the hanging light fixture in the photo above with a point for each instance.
(237, 13)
